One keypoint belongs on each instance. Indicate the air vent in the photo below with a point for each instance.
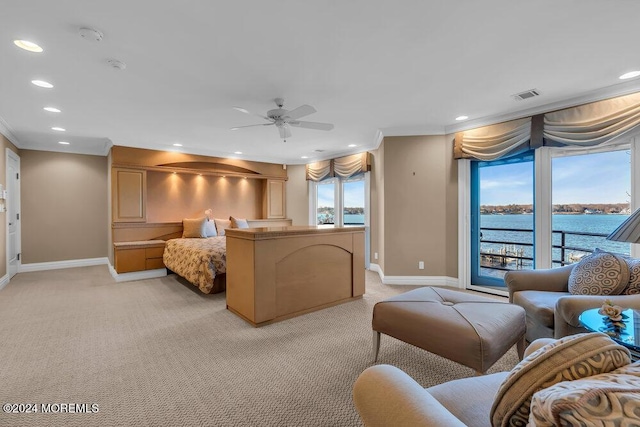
(527, 94)
(319, 151)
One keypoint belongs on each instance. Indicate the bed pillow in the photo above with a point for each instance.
(569, 358)
(193, 227)
(601, 273)
(210, 228)
(221, 225)
(238, 222)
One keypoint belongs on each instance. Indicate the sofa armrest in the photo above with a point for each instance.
(551, 280)
(386, 396)
(569, 308)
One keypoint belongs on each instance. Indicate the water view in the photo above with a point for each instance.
(501, 249)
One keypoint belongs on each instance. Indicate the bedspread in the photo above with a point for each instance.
(197, 260)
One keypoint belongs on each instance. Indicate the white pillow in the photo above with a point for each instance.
(238, 222)
(210, 228)
(221, 225)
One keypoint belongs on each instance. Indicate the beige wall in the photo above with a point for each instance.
(297, 195)
(172, 197)
(64, 206)
(420, 204)
(376, 208)
(4, 143)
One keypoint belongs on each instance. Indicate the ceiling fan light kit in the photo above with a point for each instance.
(283, 119)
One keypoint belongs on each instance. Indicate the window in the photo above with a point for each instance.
(502, 218)
(353, 205)
(326, 202)
(591, 195)
(581, 195)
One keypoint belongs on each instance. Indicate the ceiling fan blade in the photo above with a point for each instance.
(311, 125)
(285, 132)
(301, 111)
(249, 126)
(244, 110)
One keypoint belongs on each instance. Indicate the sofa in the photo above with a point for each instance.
(559, 382)
(554, 299)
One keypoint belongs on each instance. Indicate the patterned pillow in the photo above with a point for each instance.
(605, 399)
(633, 288)
(601, 273)
(193, 227)
(569, 358)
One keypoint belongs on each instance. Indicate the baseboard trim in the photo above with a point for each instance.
(4, 281)
(57, 265)
(137, 275)
(415, 280)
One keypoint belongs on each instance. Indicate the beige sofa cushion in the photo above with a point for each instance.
(601, 273)
(633, 288)
(606, 399)
(569, 358)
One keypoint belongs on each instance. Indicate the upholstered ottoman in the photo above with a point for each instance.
(472, 330)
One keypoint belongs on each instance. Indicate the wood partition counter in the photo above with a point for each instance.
(276, 273)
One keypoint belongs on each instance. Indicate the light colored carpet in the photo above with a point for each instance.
(159, 353)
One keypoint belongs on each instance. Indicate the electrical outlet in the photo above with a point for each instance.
(421, 265)
(375, 255)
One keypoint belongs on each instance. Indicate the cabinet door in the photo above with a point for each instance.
(129, 195)
(274, 204)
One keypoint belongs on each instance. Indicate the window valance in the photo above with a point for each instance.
(495, 141)
(593, 124)
(586, 125)
(343, 167)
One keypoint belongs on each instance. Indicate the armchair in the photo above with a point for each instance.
(551, 311)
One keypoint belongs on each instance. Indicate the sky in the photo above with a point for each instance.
(590, 178)
(353, 194)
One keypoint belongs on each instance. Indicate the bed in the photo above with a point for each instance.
(201, 261)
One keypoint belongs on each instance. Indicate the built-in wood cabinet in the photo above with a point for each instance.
(129, 187)
(274, 202)
(138, 256)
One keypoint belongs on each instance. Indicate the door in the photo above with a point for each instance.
(13, 213)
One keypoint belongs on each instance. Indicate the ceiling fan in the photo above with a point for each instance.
(283, 119)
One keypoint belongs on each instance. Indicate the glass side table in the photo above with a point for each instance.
(628, 336)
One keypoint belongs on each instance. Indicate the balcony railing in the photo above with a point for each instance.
(516, 255)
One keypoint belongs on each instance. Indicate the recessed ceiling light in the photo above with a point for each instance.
(42, 83)
(304, 157)
(177, 145)
(51, 109)
(351, 145)
(462, 118)
(235, 128)
(237, 152)
(27, 45)
(63, 142)
(629, 75)
(242, 110)
(59, 129)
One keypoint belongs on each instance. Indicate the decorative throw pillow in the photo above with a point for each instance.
(601, 273)
(210, 228)
(221, 225)
(238, 222)
(605, 399)
(566, 359)
(633, 288)
(193, 227)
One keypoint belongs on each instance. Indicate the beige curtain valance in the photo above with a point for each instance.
(495, 141)
(319, 170)
(343, 167)
(593, 124)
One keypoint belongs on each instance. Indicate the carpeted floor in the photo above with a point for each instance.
(157, 352)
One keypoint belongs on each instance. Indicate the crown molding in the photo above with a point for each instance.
(8, 133)
(619, 89)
